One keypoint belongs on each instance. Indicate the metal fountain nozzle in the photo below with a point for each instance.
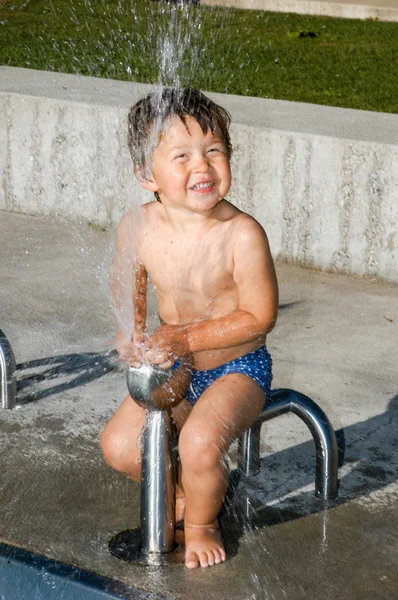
(144, 382)
(155, 388)
(158, 390)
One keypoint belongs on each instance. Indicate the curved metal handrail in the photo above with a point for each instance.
(283, 401)
(8, 382)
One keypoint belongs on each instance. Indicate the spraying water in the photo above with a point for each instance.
(177, 56)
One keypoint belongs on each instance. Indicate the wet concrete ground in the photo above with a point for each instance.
(336, 341)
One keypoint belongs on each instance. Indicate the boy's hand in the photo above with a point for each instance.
(130, 350)
(167, 344)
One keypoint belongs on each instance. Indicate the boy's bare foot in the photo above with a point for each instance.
(180, 509)
(203, 546)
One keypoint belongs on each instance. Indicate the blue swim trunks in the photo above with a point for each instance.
(257, 365)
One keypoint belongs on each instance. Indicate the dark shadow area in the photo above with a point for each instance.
(368, 446)
(56, 374)
(288, 305)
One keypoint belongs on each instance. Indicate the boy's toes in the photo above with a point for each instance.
(210, 560)
(219, 557)
(204, 559)
(192, 560)
(203, 546)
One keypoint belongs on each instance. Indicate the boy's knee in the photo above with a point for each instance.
(116, 453)
(198, 453)
(109, 447)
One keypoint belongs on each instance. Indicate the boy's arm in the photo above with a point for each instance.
(254, 274)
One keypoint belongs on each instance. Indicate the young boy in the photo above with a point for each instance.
(217, 295)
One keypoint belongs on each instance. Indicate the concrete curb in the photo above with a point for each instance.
(383, 10)
(322, 181)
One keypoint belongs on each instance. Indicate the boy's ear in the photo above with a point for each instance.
(147, 183)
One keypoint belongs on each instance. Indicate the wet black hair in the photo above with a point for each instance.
(147, 119)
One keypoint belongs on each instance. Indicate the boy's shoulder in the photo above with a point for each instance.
(136, 214)
(150, 209)
(134, 223)
(242, 222)
(150, 206)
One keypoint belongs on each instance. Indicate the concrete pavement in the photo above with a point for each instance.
(335, 340)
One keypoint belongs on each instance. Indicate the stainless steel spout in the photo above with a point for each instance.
(8, 381)
(157, 390)
(158, 483)
(147, 383)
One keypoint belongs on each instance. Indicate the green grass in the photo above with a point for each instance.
(339, 62)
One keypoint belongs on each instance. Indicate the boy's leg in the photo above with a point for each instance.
(120, 439)
(226, 409)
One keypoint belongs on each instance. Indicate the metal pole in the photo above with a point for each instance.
(249, 450)
(8, 381)
(158, 482)
(156, 390)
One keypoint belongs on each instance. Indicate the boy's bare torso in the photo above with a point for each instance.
(192, 272)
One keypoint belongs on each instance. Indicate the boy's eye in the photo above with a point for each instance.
(214, 150)
(182, 155)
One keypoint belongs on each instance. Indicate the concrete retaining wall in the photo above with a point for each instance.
(384, 10)
(322, 181)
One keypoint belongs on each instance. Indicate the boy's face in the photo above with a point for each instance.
(190, 169)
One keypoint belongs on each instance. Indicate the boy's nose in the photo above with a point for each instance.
(201, 164)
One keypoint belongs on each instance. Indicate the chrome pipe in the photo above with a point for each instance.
(326, 468)
(158, 483)
(249, 450)
(149, 386)
(157, 390)
(8, 380)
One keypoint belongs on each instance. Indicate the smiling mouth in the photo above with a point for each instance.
(203, 186)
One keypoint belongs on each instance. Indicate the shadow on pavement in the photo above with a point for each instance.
(41, 378)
